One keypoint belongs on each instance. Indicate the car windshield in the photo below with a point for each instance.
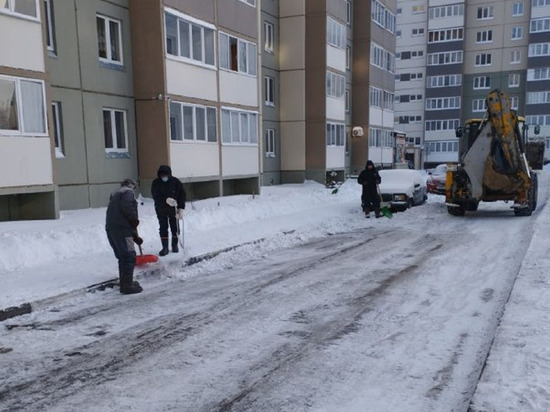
(440, 170)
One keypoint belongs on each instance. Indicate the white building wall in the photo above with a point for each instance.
(195, 159)
(336, 58)
(24, 49)
(191, 80)
(335, 157)
(240, 160)
(238, 89)
(25, 161)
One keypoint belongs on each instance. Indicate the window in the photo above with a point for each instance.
(270, 143)
(437, 59)
(418, 32)
(239, 127)
(540, 3)
(542, 73)
(269, 91)
(439, 36)
(348, 57)
(336, 33)
(517, 9)
(517, 33)
(22, 106)
(189, 40)
(336, 84)
(349, 12)
(348, 101)
(538, 97)
(483, 59)
(484, 13)
(437, 125)
(24, 7)
(336, 134)
(382, 58)
(109, 40)
(513, 80)
(540, 25)
(237, 55)
(382, 16)
(269, 30)
(443, 12)
(418, 9)
(514, 102)
(444, 81)
(443, 103)
(515, 57)
(380, 137)
(58, 129)
(478, 105)
(48, 20)
(539, 49)
(482, 82)
(192, 122)
(485, 36)
(114, 129)
(251, 2)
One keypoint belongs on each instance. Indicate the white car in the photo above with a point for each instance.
(402, 188)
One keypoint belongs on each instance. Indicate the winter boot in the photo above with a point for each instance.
(164, 250)
(128, 286)
(367, 212)
(377, 213)
(175, 244)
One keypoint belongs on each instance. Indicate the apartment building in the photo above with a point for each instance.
(89, 63)
(410, 76)
(374, 46)
(537, 105)
(473, 46)
(27, 184)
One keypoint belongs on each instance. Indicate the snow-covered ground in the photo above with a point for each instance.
(43, 259)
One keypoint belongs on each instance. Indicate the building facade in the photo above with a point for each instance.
(27, 184)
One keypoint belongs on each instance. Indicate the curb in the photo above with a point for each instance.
(29, 307)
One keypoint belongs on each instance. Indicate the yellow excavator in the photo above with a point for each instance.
(492, 162)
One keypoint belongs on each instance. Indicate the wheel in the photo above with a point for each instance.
(456, 211)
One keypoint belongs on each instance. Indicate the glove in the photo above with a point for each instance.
(171, 201)
(179, 215)
(134, 222)
(138, 240)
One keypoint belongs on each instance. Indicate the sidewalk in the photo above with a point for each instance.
(47, 261)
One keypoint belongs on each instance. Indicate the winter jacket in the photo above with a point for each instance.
(369, 178)
(162, 190)
(122, 212)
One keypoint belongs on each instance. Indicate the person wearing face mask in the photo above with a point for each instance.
(168, 191)
(369, 178)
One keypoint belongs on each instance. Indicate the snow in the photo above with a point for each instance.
(43, 260)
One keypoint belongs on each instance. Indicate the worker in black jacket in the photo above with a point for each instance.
(370, 198)
(121, 226)
(169, 196)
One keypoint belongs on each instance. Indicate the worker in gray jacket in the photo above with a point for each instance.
(121, 226)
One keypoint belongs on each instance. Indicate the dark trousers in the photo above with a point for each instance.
(166, 220)
(122, 242)
(370, 200)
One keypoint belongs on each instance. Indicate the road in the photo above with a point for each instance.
(382, 319)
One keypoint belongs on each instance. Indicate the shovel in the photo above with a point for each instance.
(179, 220)
(386, 211)
(142, 259)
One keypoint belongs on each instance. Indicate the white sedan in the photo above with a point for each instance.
(402, 188)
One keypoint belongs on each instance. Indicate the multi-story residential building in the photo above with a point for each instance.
(496, 45)
(27, 185)
(373, 89)
(89, 63)
(473, 46)
(537, 107)
(197, 83)
(270, 73)
(444, 70)
(410, 75)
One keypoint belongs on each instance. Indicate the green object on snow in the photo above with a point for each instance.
(386, 211)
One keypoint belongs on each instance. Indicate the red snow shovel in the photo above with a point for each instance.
(142, 259)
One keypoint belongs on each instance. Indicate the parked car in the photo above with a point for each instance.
(402, 188)
(436, 181)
